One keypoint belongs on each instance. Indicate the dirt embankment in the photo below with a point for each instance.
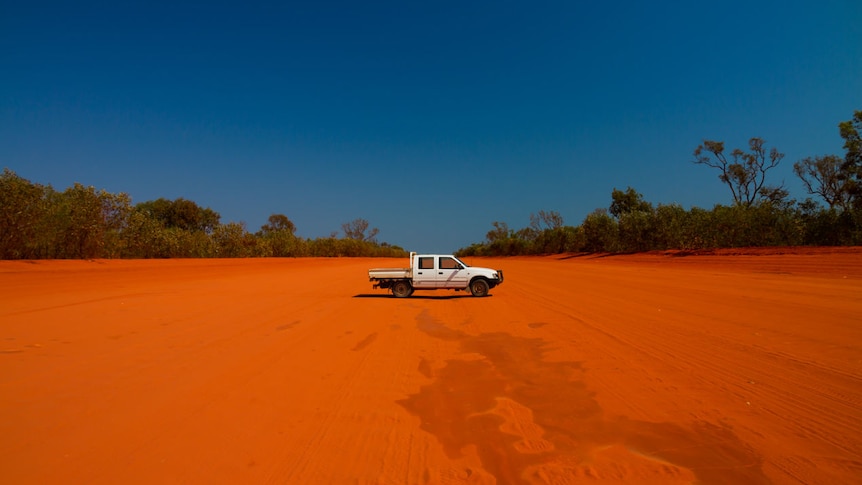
(649, 368)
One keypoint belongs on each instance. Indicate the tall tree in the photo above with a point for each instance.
(744, 172)
(278, 223)
(88, 219)
(601, 232)
(545, 220)
(22, 208)
(356, 228)
(500, 232)
(823, 176)
(851, 131)
(628, 201)
(548, 235)
(278, 233)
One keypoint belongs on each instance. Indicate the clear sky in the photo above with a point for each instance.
(429, 119)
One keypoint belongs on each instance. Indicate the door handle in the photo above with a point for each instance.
(440, 272)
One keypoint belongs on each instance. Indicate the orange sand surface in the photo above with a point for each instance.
(649, 369)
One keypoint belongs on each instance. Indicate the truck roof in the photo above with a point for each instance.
(433, 254)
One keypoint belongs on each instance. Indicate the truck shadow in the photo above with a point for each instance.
(415, 297)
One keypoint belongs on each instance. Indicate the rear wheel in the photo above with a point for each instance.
(402, 289)
(479, 287)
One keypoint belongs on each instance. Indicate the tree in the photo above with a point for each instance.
(776, 196)
(233, 241)
(852, 166)
(182, 214)
(673, 228)
(545, 220)
(88, 219)
(600, 232)
(546, 232)
(500, 232)
(278, 235)
(142, 237)
(21, 209)
(278, 223)
(744, 173)
(636, 231)
(356, 228)
(823, 176)
(628, 201)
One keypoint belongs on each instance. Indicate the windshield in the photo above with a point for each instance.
(462, 262)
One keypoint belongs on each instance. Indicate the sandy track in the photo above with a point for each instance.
(627, 369)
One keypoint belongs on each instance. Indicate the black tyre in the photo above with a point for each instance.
(402, 289)
(479, 287)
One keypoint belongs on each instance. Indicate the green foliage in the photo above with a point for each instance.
(233, 241)
(22, 208)
(830, 227)
(278, 223)
(851, 132)
(37, 222)
(627, 202)
(181, 214)
(601, 232)
(499, 232)
(551, 241)
(276, 238)
(329, 247)
(636, 231)
(824, 176)
(635, 220)
(672, 227)
(744, 172)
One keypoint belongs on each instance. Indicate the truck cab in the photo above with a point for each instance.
(435, 271)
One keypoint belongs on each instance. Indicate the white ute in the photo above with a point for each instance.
(435, 272)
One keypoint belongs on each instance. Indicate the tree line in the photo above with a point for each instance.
(760, 215)
(39, 222)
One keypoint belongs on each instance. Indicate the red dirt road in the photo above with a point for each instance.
(628, 369)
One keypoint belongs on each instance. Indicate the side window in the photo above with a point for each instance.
(426, 263)
(449, 263)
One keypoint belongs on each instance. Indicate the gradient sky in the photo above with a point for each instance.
(429, 119)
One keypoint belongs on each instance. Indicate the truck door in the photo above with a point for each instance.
(450, 273)
(424, 274)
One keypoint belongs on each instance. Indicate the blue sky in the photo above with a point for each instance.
(429, 119)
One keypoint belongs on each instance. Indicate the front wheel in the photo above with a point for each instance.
(402, 289)
(479, 287)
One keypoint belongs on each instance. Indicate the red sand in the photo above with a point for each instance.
(653, 369)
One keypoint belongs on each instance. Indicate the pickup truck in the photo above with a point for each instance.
(435, 272)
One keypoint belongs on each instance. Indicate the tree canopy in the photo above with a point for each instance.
(744, 173)
(851, 131)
